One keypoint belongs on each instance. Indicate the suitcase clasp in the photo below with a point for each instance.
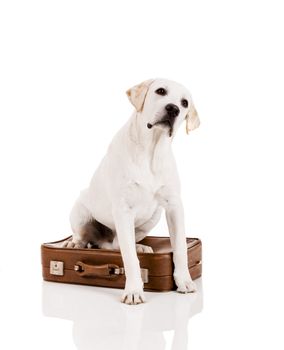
(56, 268)
(144, 273)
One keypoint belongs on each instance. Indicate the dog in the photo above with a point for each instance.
(135, 181)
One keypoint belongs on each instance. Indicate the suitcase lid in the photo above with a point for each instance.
(160, 245)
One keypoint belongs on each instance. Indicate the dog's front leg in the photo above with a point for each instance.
(124, 225)
(175, 221)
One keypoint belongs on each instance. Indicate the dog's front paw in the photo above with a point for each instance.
(133, 293)
(184, 283)
(141, 248)
(133, 297)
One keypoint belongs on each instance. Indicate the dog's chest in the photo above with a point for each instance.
(142, 195)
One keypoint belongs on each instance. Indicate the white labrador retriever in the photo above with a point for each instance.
(136, 180)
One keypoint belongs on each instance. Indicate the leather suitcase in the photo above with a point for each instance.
(103, 267)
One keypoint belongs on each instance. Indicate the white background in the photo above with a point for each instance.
(64, 70)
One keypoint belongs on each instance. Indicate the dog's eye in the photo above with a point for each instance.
(184, 103)
(161, 91)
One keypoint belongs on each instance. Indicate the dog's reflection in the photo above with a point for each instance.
(102, 322)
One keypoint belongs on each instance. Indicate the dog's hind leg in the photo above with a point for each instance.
(79, 217)
(86, 229)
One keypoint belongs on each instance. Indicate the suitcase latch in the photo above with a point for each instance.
(57, 268)
(144, 273)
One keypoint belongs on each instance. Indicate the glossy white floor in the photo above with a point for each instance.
(101, 322)
(239, 304)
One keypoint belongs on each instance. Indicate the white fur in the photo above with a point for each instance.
(136, 180)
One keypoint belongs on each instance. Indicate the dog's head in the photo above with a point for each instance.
(164, 104)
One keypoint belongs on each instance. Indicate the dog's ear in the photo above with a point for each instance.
(137, 94)
(192, 119)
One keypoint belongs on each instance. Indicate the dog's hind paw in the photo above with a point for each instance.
(141, 248)
(72, 243)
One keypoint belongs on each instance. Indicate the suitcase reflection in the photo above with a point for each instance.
(100, 321)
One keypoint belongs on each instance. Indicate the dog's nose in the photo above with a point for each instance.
(172, 110)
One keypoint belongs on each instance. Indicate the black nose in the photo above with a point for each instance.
(172, 110)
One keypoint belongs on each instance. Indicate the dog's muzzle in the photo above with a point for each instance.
(168, 119)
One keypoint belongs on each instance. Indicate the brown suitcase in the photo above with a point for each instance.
(103, 267)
